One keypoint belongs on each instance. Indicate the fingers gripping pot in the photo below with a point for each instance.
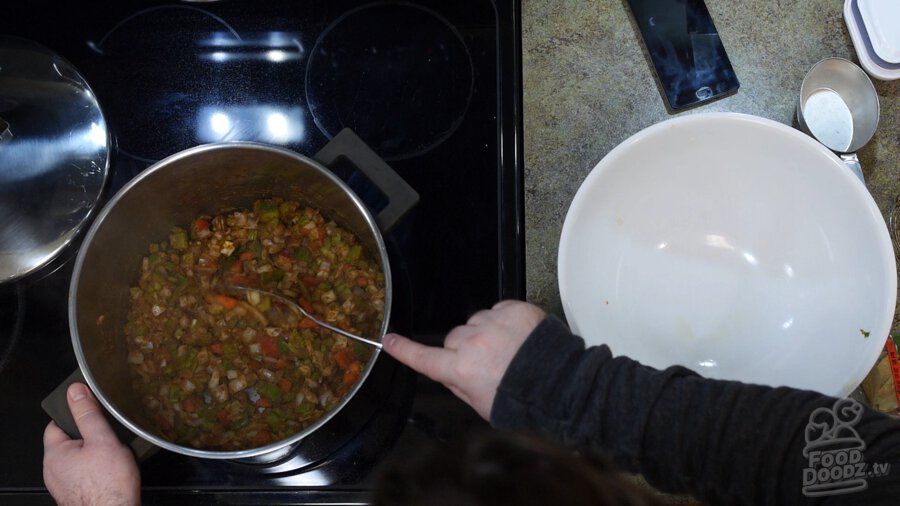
(206, 180)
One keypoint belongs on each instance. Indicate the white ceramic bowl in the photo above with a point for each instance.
(735, 246)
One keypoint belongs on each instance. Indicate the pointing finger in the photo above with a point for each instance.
(430, 361)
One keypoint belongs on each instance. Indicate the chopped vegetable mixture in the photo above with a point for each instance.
(225, 372)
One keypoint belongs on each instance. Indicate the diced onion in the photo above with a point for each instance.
(236, 385)
(220, 393)
(213, 379)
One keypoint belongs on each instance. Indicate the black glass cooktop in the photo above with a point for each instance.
(433, 87)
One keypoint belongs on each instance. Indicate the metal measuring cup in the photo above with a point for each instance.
(838, 106)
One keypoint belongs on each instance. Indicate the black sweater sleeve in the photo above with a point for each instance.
(724, 442)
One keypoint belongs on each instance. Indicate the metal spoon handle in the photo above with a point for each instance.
(338, 330)
(319, 322)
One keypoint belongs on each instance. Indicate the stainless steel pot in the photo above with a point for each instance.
(206, 180)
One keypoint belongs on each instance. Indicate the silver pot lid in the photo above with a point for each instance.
(54, 155)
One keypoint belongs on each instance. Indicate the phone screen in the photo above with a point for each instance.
(688, 57)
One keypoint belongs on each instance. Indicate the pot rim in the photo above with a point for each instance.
(274, 447)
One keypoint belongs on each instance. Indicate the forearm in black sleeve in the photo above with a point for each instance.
(724, 442)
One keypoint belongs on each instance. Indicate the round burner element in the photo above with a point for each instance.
(399, 75)
(152, 66)
(175, 76)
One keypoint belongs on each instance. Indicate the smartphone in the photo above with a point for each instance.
(688, 57)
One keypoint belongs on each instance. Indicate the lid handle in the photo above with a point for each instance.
(5, 132)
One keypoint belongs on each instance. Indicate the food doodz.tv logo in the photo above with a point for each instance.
(835, 452)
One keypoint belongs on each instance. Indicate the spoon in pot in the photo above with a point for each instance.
(297, 307)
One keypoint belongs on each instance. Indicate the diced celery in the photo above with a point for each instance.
(286, 208)
(272, 276)
(274, 420)
(178, 238)
(230, 350)
(267, 210)
(269, 390)
(302, 254)
(361, 351)
(265, 303)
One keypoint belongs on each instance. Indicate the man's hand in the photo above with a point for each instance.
(96, 470)
(475, 355)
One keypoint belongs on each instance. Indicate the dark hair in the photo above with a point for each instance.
(507, 468)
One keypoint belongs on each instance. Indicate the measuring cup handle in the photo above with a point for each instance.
(852, 162)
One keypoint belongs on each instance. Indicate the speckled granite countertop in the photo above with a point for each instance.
(588, 86)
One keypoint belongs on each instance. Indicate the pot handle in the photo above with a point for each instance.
(401, 196)
(57, 407)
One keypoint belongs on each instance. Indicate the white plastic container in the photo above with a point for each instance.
(874, 27)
